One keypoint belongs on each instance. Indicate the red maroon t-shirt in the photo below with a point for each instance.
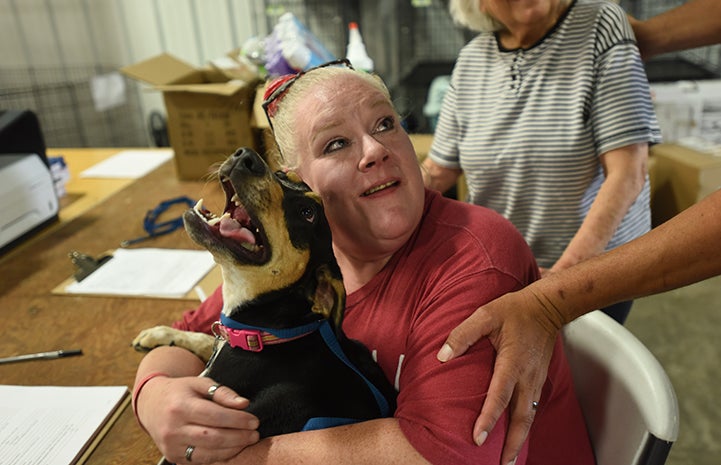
(460, 257)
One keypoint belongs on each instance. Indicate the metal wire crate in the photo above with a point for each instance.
(410, 41)
(414, 41)
(61, 98)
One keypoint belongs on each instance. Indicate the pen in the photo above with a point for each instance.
(42, 356)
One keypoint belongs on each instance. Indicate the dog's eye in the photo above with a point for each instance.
(308, 214)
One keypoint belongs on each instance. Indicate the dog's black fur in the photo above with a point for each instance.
(286, 276)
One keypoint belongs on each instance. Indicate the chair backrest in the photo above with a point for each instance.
(628, 402)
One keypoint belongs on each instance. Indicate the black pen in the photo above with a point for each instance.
(42, 356)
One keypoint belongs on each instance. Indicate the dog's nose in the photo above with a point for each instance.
(247, 160)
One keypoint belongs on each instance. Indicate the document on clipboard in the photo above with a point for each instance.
(56, 424)
(150, 272)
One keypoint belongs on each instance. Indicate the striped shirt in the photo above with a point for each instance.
(528, 126)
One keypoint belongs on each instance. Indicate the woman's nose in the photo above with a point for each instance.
(373, 153)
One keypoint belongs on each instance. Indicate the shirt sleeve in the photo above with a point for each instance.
(439, 402)
(622, 113)
(444, 149)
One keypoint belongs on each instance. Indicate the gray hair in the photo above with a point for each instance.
(468, 13)
(284, 120)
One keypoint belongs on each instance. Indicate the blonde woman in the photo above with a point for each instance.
(411, 260)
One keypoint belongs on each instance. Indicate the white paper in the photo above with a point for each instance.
(167, 273)
(701, 145)
(52, 424)
(131, 164)
(108, 91)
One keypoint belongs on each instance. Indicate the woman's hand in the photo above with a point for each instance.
(179, 413)
(523, 331)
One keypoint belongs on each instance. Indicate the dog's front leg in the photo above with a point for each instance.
(199, 343)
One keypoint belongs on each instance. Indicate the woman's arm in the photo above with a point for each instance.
(438, 177)
(171, 403)
(679, 252)
(695, 23)
(625, 170)
(374, 441)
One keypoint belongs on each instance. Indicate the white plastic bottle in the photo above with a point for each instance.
(300, 48)
(356, 51)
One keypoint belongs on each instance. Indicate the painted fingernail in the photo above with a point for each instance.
(445, 353)
(481, 438)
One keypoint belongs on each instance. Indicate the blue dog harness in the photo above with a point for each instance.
(254, 338)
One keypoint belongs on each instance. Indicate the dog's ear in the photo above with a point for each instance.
(273, 158)
(329, 299)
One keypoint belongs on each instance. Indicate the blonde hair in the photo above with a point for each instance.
(286, 114)
(468, 13)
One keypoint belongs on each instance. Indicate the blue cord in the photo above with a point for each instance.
(151, 225)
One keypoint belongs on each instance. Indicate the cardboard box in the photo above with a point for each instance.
(681, 176)
(208, 115)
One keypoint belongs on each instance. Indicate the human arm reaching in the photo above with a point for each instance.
(696, 23)
(522, 325)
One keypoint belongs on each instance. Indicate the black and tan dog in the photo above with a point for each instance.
(282, 346)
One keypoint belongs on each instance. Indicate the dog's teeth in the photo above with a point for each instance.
(199, 206)
(235, 199)
(217, 220)
(249, 246)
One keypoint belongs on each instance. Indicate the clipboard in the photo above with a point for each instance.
(72, 421)
(204, 287)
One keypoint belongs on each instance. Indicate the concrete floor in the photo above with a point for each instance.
(681, 328)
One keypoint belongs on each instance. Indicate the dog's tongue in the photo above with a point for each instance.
(231, 229)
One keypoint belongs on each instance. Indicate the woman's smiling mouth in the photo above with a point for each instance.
(375, 189)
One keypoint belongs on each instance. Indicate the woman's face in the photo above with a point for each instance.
(525, 14)
(354, 153)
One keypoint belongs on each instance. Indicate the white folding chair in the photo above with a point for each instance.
(628, 402)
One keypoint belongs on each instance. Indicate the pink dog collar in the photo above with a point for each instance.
(252, 340)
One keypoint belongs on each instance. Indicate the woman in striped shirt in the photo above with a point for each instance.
(549, 117)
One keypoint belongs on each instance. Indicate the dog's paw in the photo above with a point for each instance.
(198, 343)
(156, 336)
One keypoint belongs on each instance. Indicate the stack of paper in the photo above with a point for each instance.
(154, 272)
(56, 424)
(128, 164)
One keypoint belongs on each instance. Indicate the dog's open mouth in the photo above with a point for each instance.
(235, 228)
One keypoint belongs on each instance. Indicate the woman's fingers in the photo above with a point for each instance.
(223, 395)
(466, 334)
(524, 344)
(211, 419)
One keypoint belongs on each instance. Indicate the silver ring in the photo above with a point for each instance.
(534, 405)
(211, 391)
(189, 453)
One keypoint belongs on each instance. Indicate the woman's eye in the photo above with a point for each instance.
(386, 124)
(334, 145)
(308, 214)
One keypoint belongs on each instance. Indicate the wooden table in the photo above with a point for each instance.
(96, 217)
